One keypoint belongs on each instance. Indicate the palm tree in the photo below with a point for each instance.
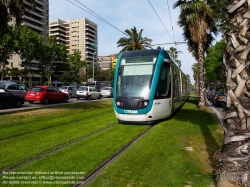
(198, 22)
(174, 54)
(233, 166)
(135, 41)
(196, 74)
(10, 10)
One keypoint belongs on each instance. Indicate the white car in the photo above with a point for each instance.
(71, 90)
(107, 91)
(88, 92)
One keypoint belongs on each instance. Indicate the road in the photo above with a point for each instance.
(27, 105)
(217, 110)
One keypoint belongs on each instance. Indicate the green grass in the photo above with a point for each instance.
(88, 154)
(158, 159)
(161, 157)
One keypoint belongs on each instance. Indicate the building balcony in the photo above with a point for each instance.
(89, 34)
(33, 19)
(91, 26)
(90, 30)
(33, 26)
(57, 34)
(91, 40)
(34, 13)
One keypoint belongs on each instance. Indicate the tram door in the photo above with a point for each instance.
(163, 101)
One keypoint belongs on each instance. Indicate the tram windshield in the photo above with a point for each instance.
(134, 79)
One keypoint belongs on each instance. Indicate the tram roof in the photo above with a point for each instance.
(151, 52)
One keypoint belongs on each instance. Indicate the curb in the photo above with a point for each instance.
(218, 116)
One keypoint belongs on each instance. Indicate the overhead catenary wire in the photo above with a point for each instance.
(95, 15)
(174, 42)
(161, 21)
(171, 20)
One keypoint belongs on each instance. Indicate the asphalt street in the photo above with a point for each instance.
(27, 106)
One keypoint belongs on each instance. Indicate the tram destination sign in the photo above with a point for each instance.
(139, 59)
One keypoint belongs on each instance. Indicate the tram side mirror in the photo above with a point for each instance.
(167, 60)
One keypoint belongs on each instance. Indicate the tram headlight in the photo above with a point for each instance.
(119, 103)
(143, 103)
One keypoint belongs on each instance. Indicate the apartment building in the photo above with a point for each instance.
(36, 18)
(106, 62)
(77, 34)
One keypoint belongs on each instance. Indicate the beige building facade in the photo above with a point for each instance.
(77, 34)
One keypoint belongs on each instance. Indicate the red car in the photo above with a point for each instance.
(46, 94)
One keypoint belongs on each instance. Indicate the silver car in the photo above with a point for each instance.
(71, 90)
(88, 92)
(15, 88)
(107, 91)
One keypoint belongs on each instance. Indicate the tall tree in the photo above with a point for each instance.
(233, 165)
(11, 10)
(76, 64)
(174, 54)
(195, 68)
(135, 41)
(6, 49)
(198, 22)
(215, 69)
(27, 44)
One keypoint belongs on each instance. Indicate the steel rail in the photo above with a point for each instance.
(58, 148)
(88, 178)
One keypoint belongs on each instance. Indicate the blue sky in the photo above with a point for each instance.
(125, 14)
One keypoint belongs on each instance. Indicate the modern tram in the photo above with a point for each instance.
(148, 86)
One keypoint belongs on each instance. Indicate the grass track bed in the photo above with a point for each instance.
(176, 152)
(162, 158)
(86, 155)
(43, 141)
(53, 113)
(19, 130)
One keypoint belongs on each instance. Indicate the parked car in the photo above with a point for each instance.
(70, 90)
(46, 94)
(208, 94)
(7, 99)
(107, 91)
(211, 95)
(218, 99)
(88, 92)
(15, 88)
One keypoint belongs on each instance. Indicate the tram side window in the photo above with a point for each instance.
(163, 89)
(176, 82)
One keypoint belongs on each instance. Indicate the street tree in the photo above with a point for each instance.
(6, 49)
(76, 65)
(134, 41)
(215, 69)
(51, 52)
(198, 22)
(233, 157)
(27, 43)
(195, 68)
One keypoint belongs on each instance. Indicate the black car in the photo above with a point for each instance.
(7, 99)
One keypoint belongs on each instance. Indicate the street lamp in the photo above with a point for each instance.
(93, 67)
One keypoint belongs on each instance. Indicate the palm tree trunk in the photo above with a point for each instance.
(202, 101)
(233, 158)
